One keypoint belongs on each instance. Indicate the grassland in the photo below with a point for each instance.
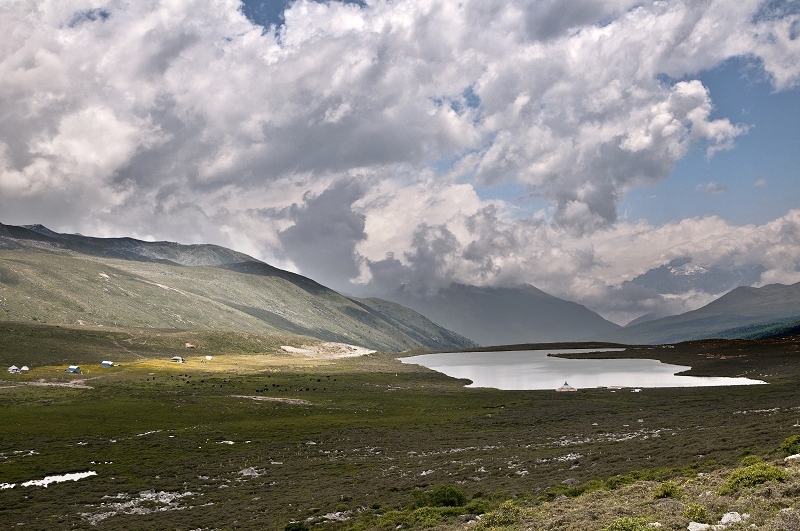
(258, 438)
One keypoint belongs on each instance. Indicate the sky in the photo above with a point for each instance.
(377, 144)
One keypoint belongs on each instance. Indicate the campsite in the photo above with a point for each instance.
(265, 438)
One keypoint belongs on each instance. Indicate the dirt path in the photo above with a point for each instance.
(328, 351)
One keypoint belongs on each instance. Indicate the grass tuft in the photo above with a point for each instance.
(627, 524)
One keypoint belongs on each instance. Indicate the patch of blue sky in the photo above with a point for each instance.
(777, 9)
(91, 15)
(268, 13)
(756, 181)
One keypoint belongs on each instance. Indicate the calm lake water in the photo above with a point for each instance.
(534, 369)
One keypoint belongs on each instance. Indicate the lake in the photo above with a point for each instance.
(534, 369)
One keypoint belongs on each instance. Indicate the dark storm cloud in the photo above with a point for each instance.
(325, 233)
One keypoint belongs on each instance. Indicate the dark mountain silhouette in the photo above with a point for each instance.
(501, 316)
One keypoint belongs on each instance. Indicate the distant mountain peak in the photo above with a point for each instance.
(740, 313)
(41, 229)
(681, 275)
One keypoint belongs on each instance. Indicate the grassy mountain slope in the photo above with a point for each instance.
(742, 313)
(40, 237)
(141, 285)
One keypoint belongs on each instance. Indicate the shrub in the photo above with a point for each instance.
(750, 460)
(668, 489)
(425, 517)
(627, 524)
(441, 496)
(505, 515)
(393, 518)
(478, 507)
(574, 491)
(791, 445)
(696, 513)
(752, 475)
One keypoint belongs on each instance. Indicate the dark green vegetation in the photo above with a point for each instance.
(260, 439)
(73, 280)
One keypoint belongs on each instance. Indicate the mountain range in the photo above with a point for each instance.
(71, 279)
(743, 313)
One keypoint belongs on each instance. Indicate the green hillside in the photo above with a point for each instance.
(58, 286)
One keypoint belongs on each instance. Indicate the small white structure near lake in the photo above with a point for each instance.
(14, 370)
(74, 369)
(565, 387)
(177, 359)
(107, 363)
(24, 369)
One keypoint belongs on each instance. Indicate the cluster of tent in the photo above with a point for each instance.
(72, 368)
(76, 369)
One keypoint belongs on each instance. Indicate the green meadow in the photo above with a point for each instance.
(258, 438)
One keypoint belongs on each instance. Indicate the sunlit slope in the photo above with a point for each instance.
(59, 288)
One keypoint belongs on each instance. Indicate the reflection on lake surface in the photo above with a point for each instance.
(534, 369)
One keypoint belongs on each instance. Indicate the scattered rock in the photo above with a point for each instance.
(731, 518)
(569, 482)
(696, 526)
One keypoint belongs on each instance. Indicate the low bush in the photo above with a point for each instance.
(651, 474)
(791, 445)
(507, 514)
(750, 460)
(478, 507)
(574, 491)
(627, 524)
(420, 517)
(424, 517)
(696, 513)
(752, 475)
(668, 489)
(441, 496)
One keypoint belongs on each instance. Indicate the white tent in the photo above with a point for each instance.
(73, 368)
(107, 363)
(566, 387)
(24, 369)
(13, 369)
